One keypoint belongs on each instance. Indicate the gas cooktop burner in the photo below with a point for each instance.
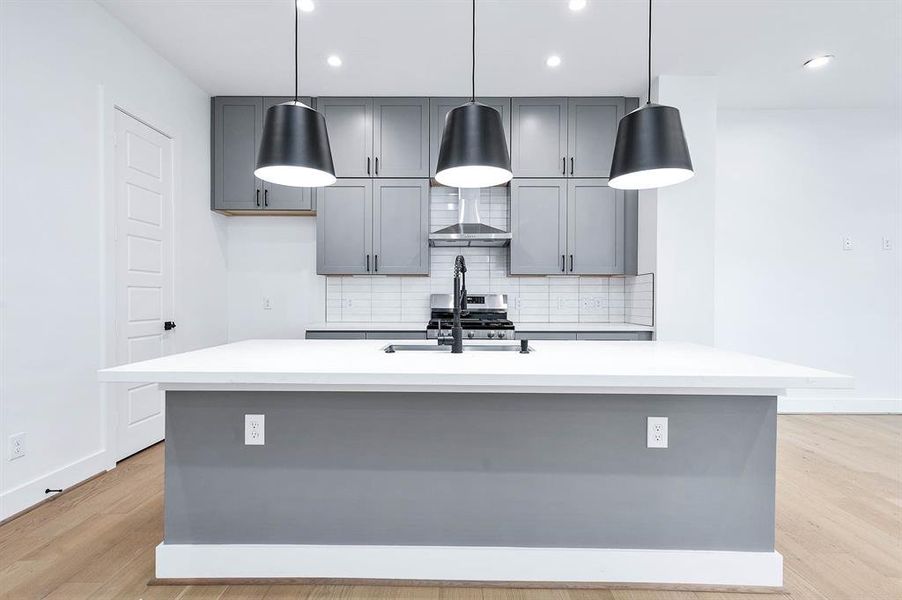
(484, 318)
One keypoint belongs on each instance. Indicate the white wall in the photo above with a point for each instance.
(57, 56)
(791, 184)
(684, 219)
(273, 257)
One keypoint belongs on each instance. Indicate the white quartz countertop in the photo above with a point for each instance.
(519, 325)
(553, 367)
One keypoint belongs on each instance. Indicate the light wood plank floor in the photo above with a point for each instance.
(839, 527)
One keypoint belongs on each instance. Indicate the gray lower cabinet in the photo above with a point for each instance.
(566, 227)
(595, 336)
(378, 137)
(237, 127)
(564, 137)
(332, 334)
(438, 111)
(368, 226)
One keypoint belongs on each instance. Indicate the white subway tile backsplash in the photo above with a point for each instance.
(588, 299)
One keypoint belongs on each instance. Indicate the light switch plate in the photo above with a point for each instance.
(657, 432)
(254, 430)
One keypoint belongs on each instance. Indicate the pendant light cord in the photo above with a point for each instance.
(648, 98)
(473, 56)
(296, 52)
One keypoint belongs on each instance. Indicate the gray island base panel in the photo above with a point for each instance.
(518, 487)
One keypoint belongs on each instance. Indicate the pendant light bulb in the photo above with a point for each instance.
(294, 146)
(473, 152)
(651, 149)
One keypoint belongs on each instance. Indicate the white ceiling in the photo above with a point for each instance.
(421, 47)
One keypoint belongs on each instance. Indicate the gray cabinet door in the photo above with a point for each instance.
(401, 137)
(350, 125)
(439, 109)
(538, 226)
(539, 137)
(344, 225)
(591, 134)
(283, 197)
(594, 228)
(401, 227)
(237, 124)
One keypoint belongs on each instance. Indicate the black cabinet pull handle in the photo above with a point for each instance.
(169, 325)
(375, 263)
(367, 165)
(563, 263)
(563, 165)
(571, 165)
(367, 263)
(258, 197)
(265, 198)
(571, 263)
(377, 165)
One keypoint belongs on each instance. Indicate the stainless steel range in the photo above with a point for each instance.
(484, 318)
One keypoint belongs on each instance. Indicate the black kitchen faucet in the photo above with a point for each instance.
(460, 304)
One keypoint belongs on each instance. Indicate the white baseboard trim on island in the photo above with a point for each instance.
(838, 405)
(469, 563)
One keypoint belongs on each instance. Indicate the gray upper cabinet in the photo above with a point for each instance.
(439, 109)
(378, 137)
(595, 229)
(539, 226)
(561, 137)
(539, 137)
(237, 124)
(350, 125)
(283, 197)
(591, 133)
(344, 227)
(401, 227)
(377, 227)
(566, 227)
(401, 137)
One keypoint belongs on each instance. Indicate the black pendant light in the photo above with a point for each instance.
(651, 150)
(294, 147)
(473, 153)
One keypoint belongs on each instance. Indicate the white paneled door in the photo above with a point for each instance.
(143, 238)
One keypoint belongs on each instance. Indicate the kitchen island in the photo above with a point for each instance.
(477, 467)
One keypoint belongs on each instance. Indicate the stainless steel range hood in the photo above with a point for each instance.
(469, 229)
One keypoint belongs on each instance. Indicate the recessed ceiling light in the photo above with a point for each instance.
(306, 5)
(577, 4)
(553, 61)
(818, 61)
(334, 61)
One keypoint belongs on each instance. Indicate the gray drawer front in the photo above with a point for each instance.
(396, 335)
(546, 335)
(613, 335)
(336, 335)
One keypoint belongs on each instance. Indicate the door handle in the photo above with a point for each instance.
(571, 263)
(169, 325)
(375, 263)
(367, 263)
(563, 165)
(563, 263)
(367, 165)
(265, 198)
(377, 165)
(571, 165)
(258, 197)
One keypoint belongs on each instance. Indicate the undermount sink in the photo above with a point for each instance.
(391, 348)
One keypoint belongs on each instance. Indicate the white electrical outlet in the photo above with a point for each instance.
(847, 243)
(254, 430)
(16, 446)
(887, 243)
(657, 432)
(267, 303)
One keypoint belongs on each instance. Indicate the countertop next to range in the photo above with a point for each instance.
(519, 325)
(553, 367)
